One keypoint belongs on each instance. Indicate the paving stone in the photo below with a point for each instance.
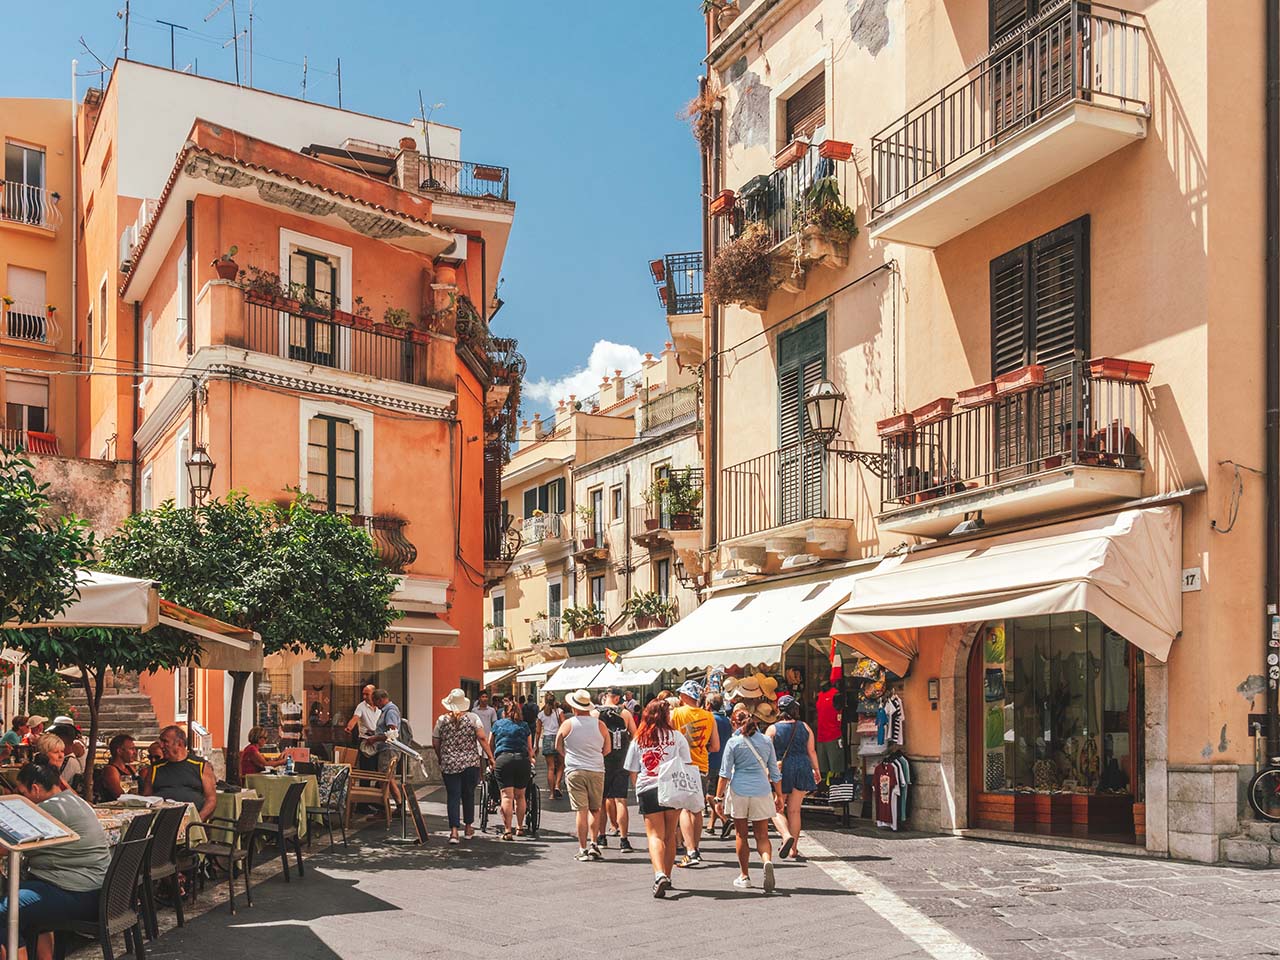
(1239, 850)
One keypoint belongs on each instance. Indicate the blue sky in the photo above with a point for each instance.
(579, 98)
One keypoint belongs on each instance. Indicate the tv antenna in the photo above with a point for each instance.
(431, 183)
(124, 15)
(101, 62)
(172, 27)
(304, 76)
(235, 32)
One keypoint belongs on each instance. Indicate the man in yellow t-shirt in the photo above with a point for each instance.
(699, 728)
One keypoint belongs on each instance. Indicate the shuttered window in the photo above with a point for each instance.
(1040, 300)
(333, 464)
(802, 362)
(1006, 15)
(806, 108)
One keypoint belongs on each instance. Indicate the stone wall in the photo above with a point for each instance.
(1202, 809)
(99, 491)
(926, 795)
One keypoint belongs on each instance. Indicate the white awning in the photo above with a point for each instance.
(497, 676)
(1123, 568)
(107, 600)
(538, 672)
(613, 675)
(576, 673)
(745, 628)
(422, 630)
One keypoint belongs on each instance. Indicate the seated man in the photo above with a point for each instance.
(181, 776)
(14, 738)
(120, 775)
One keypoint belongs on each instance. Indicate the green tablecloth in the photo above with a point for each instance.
(272, 787)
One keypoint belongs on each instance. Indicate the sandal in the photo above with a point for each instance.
(520, 832)
(508, 835)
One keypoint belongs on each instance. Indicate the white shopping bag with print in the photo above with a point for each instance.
(679, 785)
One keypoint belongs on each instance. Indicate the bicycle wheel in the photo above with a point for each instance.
(1264, 794)
(532, 810)
(484, 804)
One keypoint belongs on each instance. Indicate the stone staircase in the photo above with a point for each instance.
(124, 709)
(1257, 844)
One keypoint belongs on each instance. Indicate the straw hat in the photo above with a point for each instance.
(457, 701)
(580, 700)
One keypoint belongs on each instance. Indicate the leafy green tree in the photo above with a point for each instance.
(39, 555)
(304, 580)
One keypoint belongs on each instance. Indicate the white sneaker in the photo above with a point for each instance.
(742, 883)
(768, 877)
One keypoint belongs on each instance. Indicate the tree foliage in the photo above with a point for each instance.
(39, 555)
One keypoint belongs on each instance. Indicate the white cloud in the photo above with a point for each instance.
(606, 357)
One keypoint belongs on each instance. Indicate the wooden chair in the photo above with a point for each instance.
(334, 782)
(370, 786)
(242, 828)
(162, 864)
(348, 755)
(283, 828)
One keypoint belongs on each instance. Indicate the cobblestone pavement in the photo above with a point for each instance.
(888, 896)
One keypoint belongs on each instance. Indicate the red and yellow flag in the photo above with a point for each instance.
(611, 655)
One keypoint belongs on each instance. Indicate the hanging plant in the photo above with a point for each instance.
(740, 273)
(824, 209)
(700, 112)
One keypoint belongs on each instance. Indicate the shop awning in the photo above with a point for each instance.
(538, 672)
(422, 630)
(225, 646)
(1123, 568)
(107, 600)
(613, 675)
(497, 676)
(576, 673)
(748, 627)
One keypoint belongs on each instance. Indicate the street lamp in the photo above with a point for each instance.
(200, 473)
(823, 408)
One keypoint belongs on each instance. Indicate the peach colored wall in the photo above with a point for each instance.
(1168, 284)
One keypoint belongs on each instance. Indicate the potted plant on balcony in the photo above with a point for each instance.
(587, 621)
(683, 499)
(50, 310)
(825, 212)
(264, 286)
(226, 266)
(721, 204)
(647, 609)
(742, 273)
(791, 154)
(396, 317)
(585, 516)
(835, 149)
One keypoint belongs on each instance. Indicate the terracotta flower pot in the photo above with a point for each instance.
(408, 143)
(977, 396)
(721, 203)
(896, 425)
(1111, 368)
(682, 521)
(835, 149)
(652, 523)
(1020, 380)
(446, 273)
(933, 411)
(588, 543)
(792, 153)
(595, 630)
(226, 269)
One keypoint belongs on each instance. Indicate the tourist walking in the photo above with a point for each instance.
(749, 792)
(699, 728)
(583, 741)
(654, 745)
(793, 743)
(512, 744)
(459, 741)
(548, 725)
(621, 725)
(529, 712)
(724, 729)
(485, 712)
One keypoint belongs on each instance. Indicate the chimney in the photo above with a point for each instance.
(409, 166)
(619, 385)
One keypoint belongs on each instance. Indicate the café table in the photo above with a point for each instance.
(228, 806)
(115, 817)
(272, 787)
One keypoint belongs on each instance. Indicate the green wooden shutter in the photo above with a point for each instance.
(530, 502)
(802, 362)
(1060, 296)
(1009, 307)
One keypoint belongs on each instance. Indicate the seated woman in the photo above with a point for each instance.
(64, 881)
(120, 775)
(53, 749)
(251, 758)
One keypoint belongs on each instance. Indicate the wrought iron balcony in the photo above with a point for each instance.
(545, 628)
(796, 483)
(32, 441)
(670, 409)
(1079, 74)
(463, 178)
(542, 528)
(387, 533)
(497, 638)
(502, 538)
(32, 205)
(30, 321)
(678, 278)
(1072, 440)
(781, 199)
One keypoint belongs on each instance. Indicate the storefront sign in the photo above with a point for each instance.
(1191, 580)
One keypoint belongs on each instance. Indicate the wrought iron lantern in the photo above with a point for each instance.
(200, 473)
(823, 408)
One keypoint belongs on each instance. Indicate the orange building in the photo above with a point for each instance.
(346, 353)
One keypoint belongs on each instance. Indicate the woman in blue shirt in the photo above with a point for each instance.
(749, 773)
(512, 743)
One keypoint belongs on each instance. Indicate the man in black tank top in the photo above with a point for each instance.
(181, 776)
(621, 727)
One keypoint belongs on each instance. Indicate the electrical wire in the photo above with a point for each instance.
(1237, 494)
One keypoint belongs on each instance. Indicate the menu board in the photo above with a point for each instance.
(21, 822)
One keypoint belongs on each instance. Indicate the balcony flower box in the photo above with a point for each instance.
(978, 396)
(682, 521)
(1111, 368)
(721, 203)
(491, 174)
(835, 149)
(1020, 380)
(588, 543)
(897, 425)
(419, 336)
(652, 523)
(792, 153)
(933, 411)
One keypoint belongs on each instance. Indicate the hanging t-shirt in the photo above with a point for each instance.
(893, 710)
(829, 706)
(882, 724)
(887, 792)
(904, 786)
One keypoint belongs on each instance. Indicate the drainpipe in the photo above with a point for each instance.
(191, 286)
(711, 340)
(1271, 647)
(75, 179)
(137, 363)
(626, 526)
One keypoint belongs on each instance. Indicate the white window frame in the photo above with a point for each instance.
(148, 329)
(181, 321)
(146, 489)
(104, 307)
(790, 84)
(289, 239)
(179, 701)
(618, 497)
(362, 420)
(181, 494)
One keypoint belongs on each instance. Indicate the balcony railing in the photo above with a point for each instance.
(497, 638)
(540, 528)
(33, 441)
(324, 340)
(680, 288)
(389, 541)
(30, 321)
(502, 539)
(545, 628)
(464, 178)
(595, 533)
(25, 203)
(779, 199)
(678, 406)
(1072, 419)
(1077, 52)
(798, 482)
